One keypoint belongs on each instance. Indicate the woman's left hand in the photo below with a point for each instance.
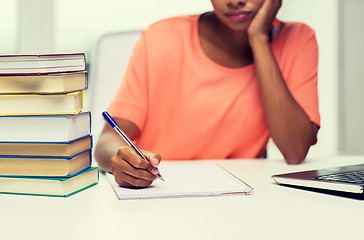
(262, 21)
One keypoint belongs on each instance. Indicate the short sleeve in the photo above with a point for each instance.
(130, 101)
(299, 69)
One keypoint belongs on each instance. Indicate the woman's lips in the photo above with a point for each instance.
(237, 16)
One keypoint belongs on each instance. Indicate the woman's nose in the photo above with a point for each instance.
(236, 3)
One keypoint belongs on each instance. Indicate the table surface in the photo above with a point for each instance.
(271, 212)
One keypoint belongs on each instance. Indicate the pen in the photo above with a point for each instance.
(115, 126)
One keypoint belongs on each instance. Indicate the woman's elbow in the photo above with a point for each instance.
(296, 156)
(297, 152)
(296, 160)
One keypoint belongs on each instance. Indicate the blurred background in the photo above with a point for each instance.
(50, 26)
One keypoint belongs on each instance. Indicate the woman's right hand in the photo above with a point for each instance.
(130, 170)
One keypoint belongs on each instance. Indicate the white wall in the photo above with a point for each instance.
(351, 84)
(8, 15)
(81, 25)
(36, 33)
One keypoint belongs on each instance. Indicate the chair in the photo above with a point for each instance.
(109, 60)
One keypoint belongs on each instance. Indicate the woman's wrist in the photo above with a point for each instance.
(258, 39)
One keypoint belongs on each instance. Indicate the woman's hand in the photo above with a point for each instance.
(130, 170)
(262, 21)
(289, 126)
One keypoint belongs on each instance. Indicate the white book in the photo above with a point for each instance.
(186, 180)
(41, 64)
(44, 128)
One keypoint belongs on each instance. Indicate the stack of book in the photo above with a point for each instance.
(45, 139)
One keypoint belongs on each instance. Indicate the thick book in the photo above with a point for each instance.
(44, 84)
(56, 187)
(40, 104)
(42, 64)
(45, 128)
(61, 149)
(44, 166)
(186, 180)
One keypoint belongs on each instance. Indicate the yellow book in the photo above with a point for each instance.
(38, 104)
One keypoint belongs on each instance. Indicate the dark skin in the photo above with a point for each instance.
(233, 44)
(227, 52)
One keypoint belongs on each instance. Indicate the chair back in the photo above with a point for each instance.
(109, 61)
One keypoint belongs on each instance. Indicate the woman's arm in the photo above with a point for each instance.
(289, 126)
(109, 143)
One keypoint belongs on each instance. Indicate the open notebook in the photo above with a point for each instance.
(187, 180)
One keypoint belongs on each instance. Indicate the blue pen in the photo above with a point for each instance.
(115, 126)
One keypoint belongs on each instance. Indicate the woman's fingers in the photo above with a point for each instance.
(130, 169)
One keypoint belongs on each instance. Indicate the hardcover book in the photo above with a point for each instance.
(36, 104)
(42, 64)
(45, 128)
(43, 84)
(56, 187)
(61, 149)
(44, 166)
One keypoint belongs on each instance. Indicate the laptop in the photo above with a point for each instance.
(347, 179)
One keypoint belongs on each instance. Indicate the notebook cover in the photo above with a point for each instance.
(186, 180)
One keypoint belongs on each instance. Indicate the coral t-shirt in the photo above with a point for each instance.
(189, 107)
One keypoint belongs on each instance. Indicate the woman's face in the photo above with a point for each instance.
(236, 14)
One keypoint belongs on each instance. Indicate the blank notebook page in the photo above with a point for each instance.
(187, 180)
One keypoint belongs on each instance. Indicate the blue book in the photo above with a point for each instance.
(40, 166)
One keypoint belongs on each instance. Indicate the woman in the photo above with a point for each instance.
(214, 86)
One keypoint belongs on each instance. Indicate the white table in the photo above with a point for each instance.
(271, 212)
